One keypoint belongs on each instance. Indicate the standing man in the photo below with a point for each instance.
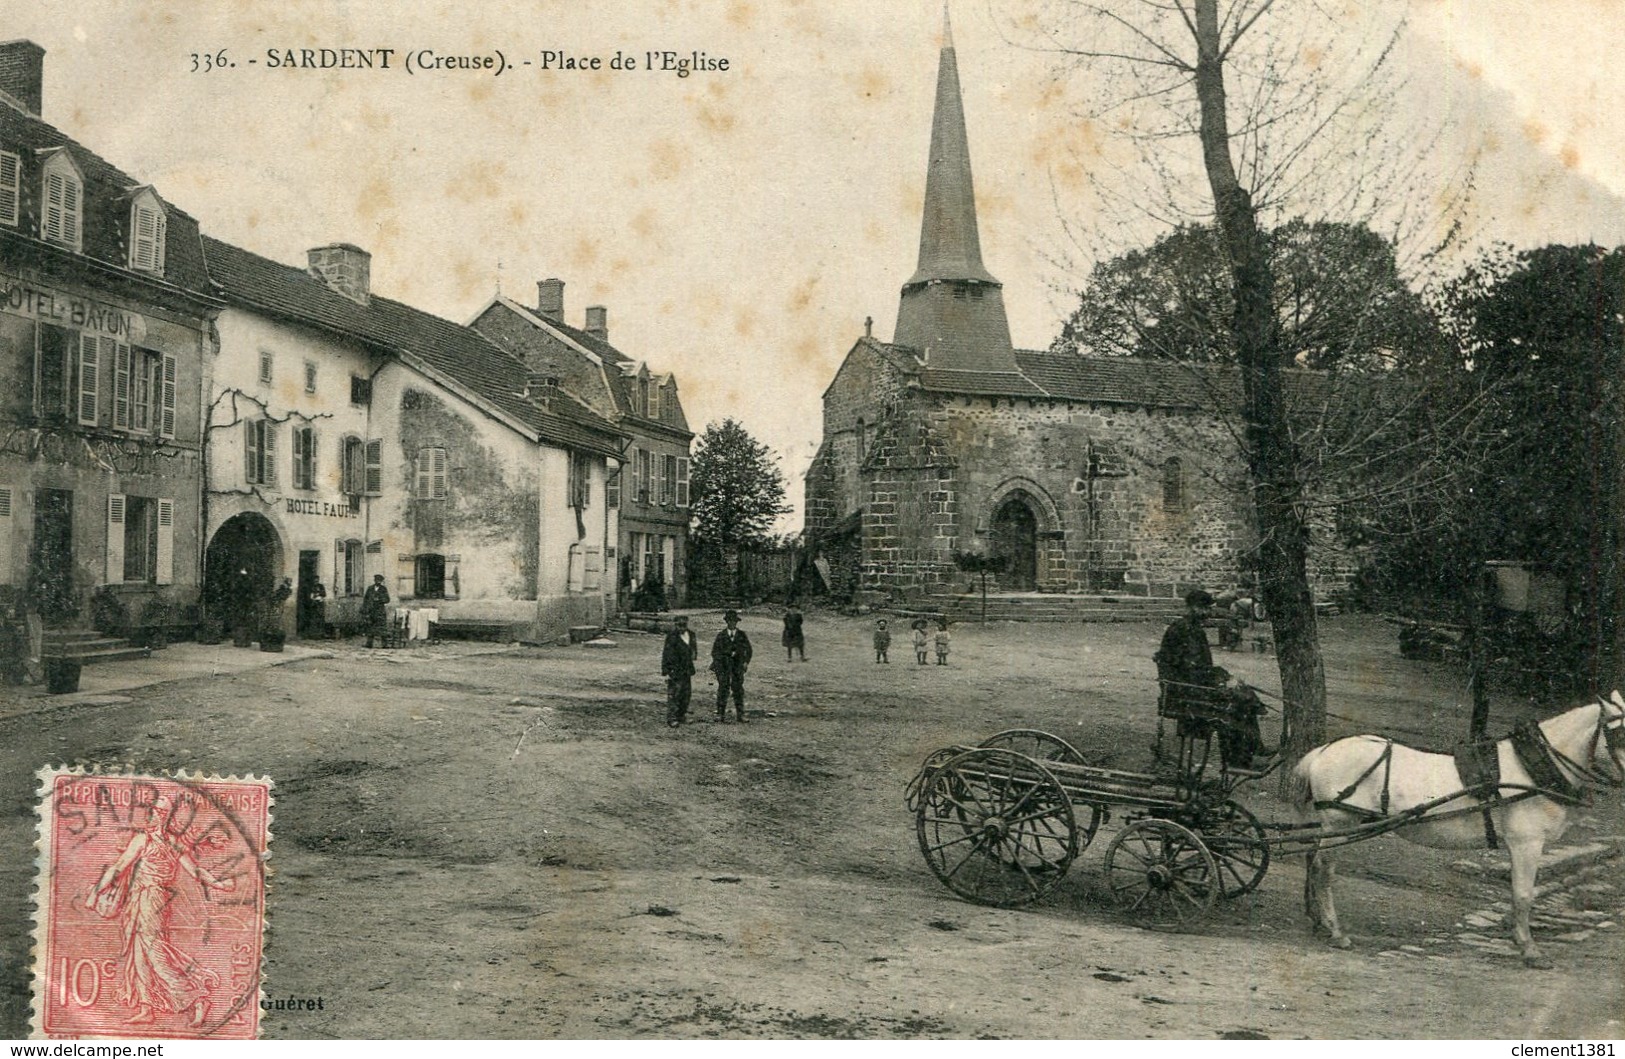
(374, 610)
(274, 607)
(677, 666)
(730, 657)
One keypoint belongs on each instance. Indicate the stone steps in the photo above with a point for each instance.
(1056, 608)
(88, 647)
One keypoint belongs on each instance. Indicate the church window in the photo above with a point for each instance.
(863, 439)
(1173, 485)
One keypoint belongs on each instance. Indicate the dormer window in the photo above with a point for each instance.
(64, 201)
(147, 223)
(10, 188)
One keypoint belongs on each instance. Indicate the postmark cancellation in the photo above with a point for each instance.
(149, 915)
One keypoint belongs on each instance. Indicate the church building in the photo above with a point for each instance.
(1091, 475)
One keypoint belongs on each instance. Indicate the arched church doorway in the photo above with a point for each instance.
(1015, 536)
(241, 569)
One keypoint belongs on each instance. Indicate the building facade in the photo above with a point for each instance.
(1096, 475)
(352, 436)
(649, 495)
(105, 316)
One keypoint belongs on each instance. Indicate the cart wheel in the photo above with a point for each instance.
(996, 827)
(1161, 872)
(1046, 749)
(1040, 746)
(1240, 847)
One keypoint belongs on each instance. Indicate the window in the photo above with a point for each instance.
(668, 480)
(310, 377)
(643, 395)
(67, 373)
(431, 476)
(265, 367)
(373, 478)
(61, 220)
(349, 567)
(140, 539)
(682, 481)
(580, 482)
(430, 576)
(612, 489)
(147, 225)
(304, 458)
(863, 439)
(10, 188)
(143, 390)
(360, 390)
(1173, 485)
(643, 475)
(352, 465)
(654, 401)
(259, 452)
(5, 535)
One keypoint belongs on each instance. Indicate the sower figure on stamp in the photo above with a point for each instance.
(375, 610)
(677, 666)
(140, 888)
(730, 657)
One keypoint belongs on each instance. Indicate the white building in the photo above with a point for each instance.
(349, 435)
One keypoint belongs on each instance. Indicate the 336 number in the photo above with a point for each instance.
(206, 62)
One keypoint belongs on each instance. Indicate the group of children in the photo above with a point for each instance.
(922, 640)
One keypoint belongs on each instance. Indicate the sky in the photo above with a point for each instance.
(739, 224)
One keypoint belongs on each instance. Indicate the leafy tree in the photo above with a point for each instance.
(1339, 300)
(738, 489)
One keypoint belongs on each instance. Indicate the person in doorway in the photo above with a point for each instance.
(882, 642)
(677, 666)
(730, 658)
(794, 639)
(375, 610)
(316, 610)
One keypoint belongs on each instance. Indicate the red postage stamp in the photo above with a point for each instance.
(150, 908)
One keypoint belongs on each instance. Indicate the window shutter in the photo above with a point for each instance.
(167, 424)
(310, 458)
(147, 238)
(165, 574)
(90, 355)
(70, 212)
(268, 443)
(115, 538)
(251, 451)
(612, 489)
(594, 574)
(10, 188)
(5, 535)
(121, 386)
(660, 480)
(438, 480)
(577, 568)
(421, 467)
(337, 587)
(54, 184)
(374, 484)
(682, 481)
(296, 459)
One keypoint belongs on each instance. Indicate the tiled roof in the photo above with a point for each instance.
(105, 220)
(452, 350)
(1129, 380)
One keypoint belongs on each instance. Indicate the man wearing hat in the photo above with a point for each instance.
(677, 666)
(1193, 687)
(730, 657)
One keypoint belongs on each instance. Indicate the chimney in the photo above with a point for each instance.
(22, 73)
(550, 299)
(597, 322)
(345, 268)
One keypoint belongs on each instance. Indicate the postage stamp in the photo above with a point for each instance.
(150, 905)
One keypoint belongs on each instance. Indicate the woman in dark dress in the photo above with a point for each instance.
(794, 639)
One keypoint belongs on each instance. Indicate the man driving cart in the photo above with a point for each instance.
(1202, 696)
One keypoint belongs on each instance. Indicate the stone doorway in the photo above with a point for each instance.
(241, 568)
(1015, 536)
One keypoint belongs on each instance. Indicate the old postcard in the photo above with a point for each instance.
(745, 520)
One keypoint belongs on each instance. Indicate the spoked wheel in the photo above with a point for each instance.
(1161, 872)
(996, 827)
(1047, 749)
(1239, 846)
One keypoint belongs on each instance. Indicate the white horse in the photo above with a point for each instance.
(1366, 781)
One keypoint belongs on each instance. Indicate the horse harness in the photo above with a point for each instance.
(1479, 765)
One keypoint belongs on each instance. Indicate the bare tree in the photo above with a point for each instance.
(1286, 103)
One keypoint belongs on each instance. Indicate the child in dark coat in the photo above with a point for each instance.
(882, 642)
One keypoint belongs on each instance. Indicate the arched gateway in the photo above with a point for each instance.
(242, 567)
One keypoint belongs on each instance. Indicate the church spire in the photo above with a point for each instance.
(950, 247)
(952, 309)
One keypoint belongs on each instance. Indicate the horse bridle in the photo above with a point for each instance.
(1610, 731)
